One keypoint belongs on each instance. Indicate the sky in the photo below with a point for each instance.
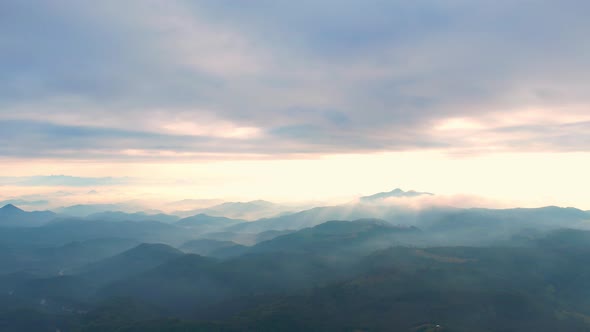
(151, 100)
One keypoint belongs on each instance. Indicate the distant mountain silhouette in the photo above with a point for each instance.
(138, 216)
(207, 223)
(318, 215)
(447, 225)
(394, 193)
(241, 210)
(12, 216)
(9, 208)
(84, 210)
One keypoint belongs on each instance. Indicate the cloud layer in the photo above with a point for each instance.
(61, 181)
(258, 79)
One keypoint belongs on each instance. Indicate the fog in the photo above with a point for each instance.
(457, 262)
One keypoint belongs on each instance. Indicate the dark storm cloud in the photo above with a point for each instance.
(312, 76)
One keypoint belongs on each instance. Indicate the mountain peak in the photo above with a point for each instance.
(397, 192)
(11, 208)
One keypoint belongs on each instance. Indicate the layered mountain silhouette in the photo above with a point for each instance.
(359, 236)
(138, 216)
(213, 248)
(207, 223)
(12, 216)
(142, 258)
(241, 210)
(367, 265)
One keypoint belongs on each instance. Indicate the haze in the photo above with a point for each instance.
(294, 165)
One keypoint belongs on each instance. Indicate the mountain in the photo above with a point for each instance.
(214, 248)
(78, 253)
(243, 238)
(10, 210)
(430, 269)
(322, 279)
(269, 235)
(76, 288)
(229, 251)
(180, 283)
(318, 215)
(84, 210)
(242, 210)
(29, 204)
(206, 247)
(12, 216)
(192, 285)
(138, 216)
(391, 194)
(453, 225)
(68, 230)
(440, 289)
(475, 227)
(51, 261)
(359, 236)
(206, 223)
(399, 289)
(350, 211)
(183, 207)
(131, 262)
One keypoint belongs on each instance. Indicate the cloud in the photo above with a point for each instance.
(180, 79)
(456, 201)
(61, 181)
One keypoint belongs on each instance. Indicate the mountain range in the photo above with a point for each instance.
(366, 265)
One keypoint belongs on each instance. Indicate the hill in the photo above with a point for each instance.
(12, 216)
(60, 232)
(358, 237)
(208, 247)
(131, 262)
(243, 210)
(52, 261)
(138, 216)
(205, 223)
